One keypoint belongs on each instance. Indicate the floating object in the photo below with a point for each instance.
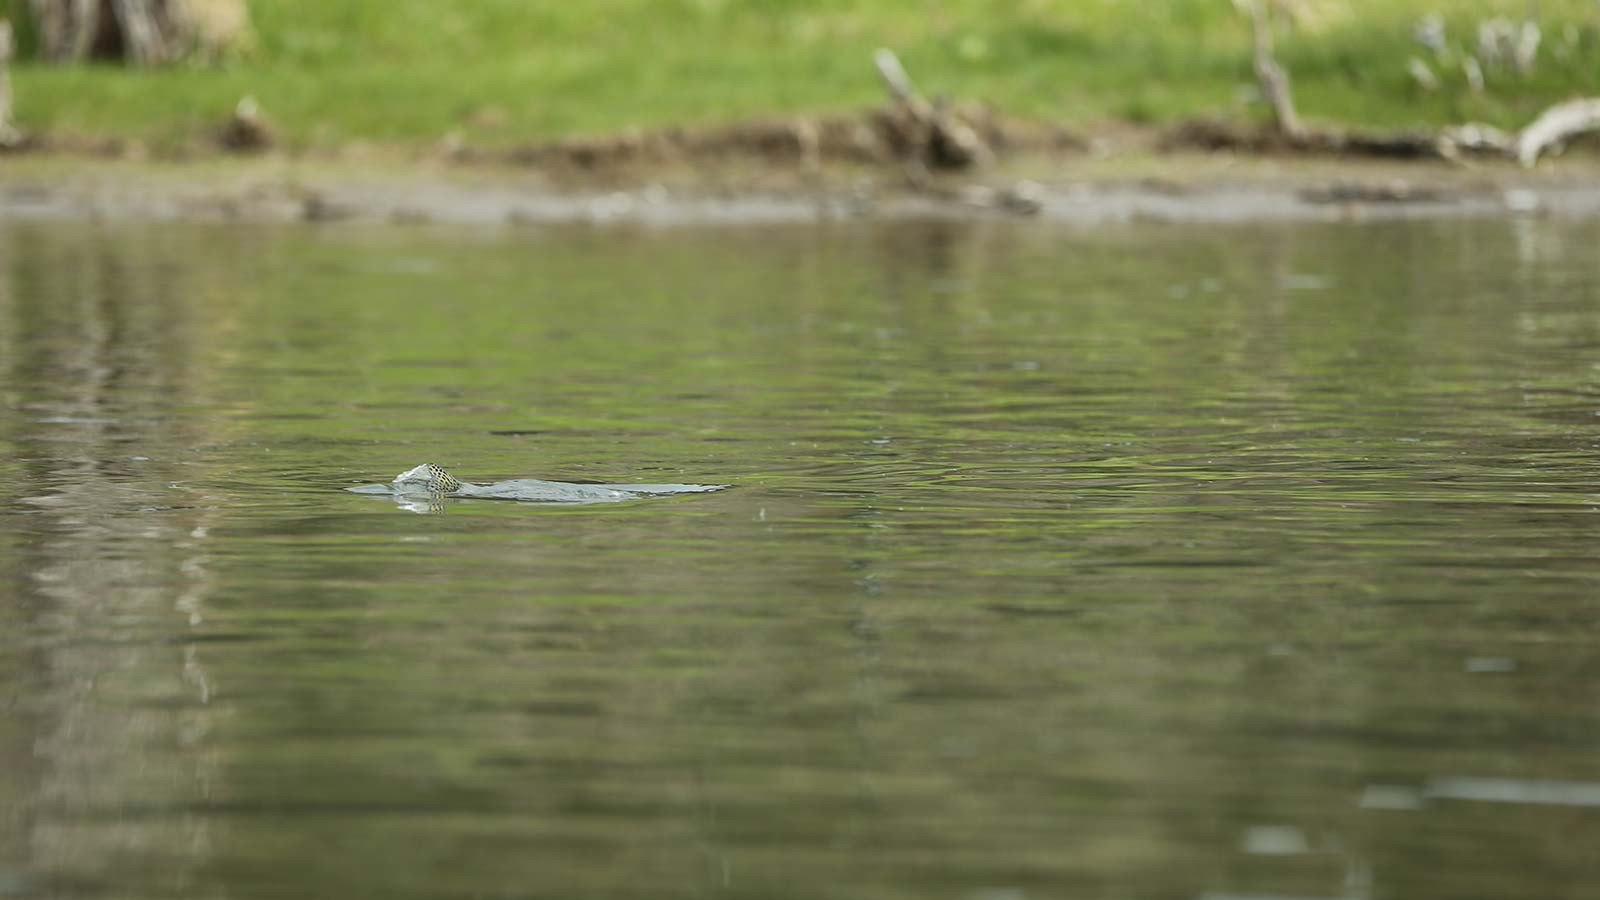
(430, 483)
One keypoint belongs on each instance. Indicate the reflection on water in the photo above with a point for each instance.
(1149, 562)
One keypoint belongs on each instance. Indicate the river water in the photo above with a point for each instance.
(1139, 562)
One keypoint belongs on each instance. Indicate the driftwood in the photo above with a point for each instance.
(9, 135)
(899, 84)
(1272, 77)
(1553, 127)
(142, 32)
(1556, 125)
(1476, 138)
(922, 132)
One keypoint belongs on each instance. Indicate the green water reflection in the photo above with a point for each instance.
(1142, 562)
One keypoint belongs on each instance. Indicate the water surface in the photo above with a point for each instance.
(1144, 562)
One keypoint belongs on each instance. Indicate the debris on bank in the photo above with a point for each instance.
(247, 130)
(919, 139)
(1497, 39)
(921, 135)
(877, 136)
(926, 134)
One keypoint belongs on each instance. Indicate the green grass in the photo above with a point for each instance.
(501, 71)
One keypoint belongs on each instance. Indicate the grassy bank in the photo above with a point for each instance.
(330, 72)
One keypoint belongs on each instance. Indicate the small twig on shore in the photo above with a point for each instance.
(808, 143)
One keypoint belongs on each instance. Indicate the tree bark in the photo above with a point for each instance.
(141, 32)
(9, 135)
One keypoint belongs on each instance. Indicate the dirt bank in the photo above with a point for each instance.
(1081, 188)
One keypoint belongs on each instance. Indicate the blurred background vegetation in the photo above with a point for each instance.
(332, 72)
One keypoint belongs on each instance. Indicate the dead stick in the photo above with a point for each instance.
(1554, 125)
(1273, 79)
(935, 135)
(899, 84)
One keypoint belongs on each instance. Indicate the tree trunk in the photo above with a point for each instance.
(141, 32)
(9, 135)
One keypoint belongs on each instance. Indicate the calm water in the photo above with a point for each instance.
(1135, 563)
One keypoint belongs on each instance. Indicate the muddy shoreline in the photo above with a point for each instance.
(1196, 188)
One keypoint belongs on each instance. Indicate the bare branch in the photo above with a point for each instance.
(927, 132)
(1556, 124)
(1272, 77)
(899, 83)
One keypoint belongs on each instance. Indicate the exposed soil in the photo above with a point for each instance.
(874, 136)
(799, 169)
